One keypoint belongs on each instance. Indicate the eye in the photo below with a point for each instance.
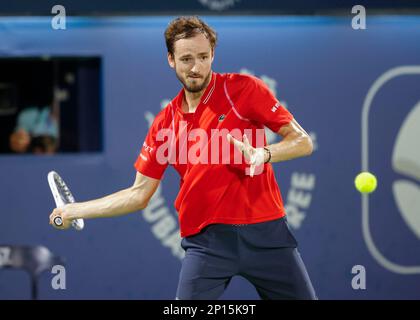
(185, 59)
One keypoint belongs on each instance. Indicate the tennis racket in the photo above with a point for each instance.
(62, 196)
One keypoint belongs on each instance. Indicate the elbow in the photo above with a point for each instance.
(138, 200)
(142, 205)
(307, 145)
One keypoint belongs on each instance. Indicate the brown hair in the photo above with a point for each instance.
(188, 27)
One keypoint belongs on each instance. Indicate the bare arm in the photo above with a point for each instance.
(119, 203)
(295, 143)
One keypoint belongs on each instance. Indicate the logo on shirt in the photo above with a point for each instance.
(274, 108)
(147, 148)
(222, 117)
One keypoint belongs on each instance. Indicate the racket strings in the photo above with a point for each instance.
(63, 190)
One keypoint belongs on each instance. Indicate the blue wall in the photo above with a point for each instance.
(321, 68)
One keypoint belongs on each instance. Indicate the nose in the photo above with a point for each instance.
(195, 68)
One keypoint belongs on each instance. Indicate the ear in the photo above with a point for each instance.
(212, 55)
(171, 60)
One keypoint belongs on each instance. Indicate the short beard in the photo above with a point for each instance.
(195, 89)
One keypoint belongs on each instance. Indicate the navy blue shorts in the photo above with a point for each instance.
(263, 253)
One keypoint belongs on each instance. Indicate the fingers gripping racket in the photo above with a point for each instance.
(62, 196)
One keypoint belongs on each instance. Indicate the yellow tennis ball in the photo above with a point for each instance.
(365, 182)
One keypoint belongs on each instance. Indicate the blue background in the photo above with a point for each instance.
(323, 70)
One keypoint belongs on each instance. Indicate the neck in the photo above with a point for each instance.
(192, 99)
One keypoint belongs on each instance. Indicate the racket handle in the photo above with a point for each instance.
(58, 221)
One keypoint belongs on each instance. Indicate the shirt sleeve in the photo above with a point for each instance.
(259, 104)
(147, 163)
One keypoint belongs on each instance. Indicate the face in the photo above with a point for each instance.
(192, 61)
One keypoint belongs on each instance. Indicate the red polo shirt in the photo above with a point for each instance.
(213, 188)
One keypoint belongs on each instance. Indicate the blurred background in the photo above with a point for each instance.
(79, 91)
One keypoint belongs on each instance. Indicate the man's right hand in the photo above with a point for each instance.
(60, 212)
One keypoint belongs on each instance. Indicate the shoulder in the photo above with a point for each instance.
(164, 117)
(239, 81)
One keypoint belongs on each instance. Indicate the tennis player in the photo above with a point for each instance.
(231, 213)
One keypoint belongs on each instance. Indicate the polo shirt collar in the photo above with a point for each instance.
(204, 98)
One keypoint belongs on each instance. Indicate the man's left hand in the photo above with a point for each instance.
(254, 156)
